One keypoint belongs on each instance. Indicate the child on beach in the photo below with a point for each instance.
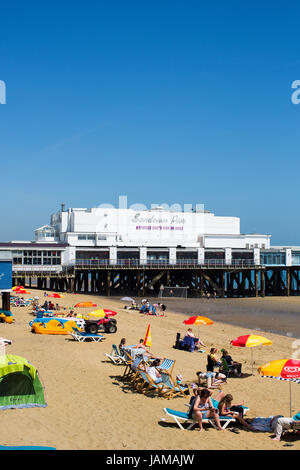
(226, 408)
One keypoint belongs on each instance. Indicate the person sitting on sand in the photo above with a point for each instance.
(45, 305)
(70, 314)
(201, 407)
(235, 366)
(133, 306)
(213, 379)
(198, 341)
(226, 408)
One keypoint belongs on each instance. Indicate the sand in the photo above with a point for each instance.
(91, 407)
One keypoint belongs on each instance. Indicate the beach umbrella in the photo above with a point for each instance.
(127, 299)
(250, 341)
(18, 287)
(198, 320)
(282, 369)
(22, 291)
(56, 296)
(85, 304)
(147, 339)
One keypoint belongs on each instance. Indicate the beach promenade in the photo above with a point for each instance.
(91, 407)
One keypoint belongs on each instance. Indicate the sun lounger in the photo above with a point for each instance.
(115, 356)
(80, 336)
(183, 416)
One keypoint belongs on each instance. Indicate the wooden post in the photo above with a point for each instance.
(256, 283)
(6, 301)
(168, 278)
(108, 284)
(223, 284)
(143, 285)
(262, 283)
(201, 284)
(288, 282)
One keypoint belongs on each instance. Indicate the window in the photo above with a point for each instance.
(272, 258)
(101, 237)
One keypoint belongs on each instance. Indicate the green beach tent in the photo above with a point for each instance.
(20, 386)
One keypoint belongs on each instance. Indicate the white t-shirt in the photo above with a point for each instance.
(152, 373)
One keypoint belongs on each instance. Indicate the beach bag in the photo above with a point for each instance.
(191, 405)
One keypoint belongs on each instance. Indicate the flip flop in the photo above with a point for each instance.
(236, 431)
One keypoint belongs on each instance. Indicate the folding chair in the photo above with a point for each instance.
(167, 364)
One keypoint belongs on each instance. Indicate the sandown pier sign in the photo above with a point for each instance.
(154, 222)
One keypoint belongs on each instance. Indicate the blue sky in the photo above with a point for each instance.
(162, 101)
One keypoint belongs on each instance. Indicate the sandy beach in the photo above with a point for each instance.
(91, 407)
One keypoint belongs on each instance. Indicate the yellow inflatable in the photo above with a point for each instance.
(6, 317)
(53, 327)
(92, 315)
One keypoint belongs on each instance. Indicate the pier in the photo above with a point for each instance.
(240, 279)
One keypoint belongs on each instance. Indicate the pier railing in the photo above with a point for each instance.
(162, 264)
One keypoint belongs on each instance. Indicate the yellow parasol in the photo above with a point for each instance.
(147, 339)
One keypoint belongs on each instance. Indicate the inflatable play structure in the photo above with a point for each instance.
(55, 326)
(20, 386)
(6, 316)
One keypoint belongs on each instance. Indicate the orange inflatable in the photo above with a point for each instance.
(85, 304)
